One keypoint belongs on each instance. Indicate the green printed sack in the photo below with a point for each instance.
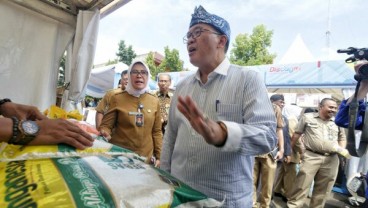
(93, 181)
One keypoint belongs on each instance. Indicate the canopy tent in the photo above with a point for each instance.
(103, 79)
(322, 77)
(328, 77)
(33, 38)
(297, 52)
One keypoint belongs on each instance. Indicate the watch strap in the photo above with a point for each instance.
(2, 101)
(5, 100)
(15, 129)
(19, 137)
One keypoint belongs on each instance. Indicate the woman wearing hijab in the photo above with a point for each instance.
(135, 116)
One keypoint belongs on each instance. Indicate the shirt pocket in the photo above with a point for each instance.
(313, 125)
(333, 132)
(230, 112)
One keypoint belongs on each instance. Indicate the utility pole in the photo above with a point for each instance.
(328, 32)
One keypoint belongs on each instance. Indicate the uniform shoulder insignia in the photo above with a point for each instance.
(152, 92)
(119, 92)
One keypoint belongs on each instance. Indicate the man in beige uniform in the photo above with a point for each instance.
(104, 104)
(265, 167)
(318, 164)
(286, 169)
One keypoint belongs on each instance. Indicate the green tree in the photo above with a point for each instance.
(154, 69)
(125, 54)
(170, 63)
(172, 60)
(250, 50)
(114, 61)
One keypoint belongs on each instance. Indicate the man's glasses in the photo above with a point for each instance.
(163, 81)
(136, 72)
(196, 33)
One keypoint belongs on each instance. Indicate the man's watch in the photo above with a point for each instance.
(28, 130)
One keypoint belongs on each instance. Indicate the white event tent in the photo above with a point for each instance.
(33, 37)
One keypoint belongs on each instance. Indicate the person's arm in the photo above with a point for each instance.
(362, 91)
(157, 136)
(280, 144)
(296, 136)
(56, 131)
(342, 116)
(6, 129)
(100, 109)
(342, 138)
(9, 109)
(109, 119)
(52, 131)
(279, 132)
(211, 131)
(253, 132)
(98, 119)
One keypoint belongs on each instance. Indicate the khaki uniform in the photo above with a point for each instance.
(145, 140)
(103, 105)
(165, 100)
(264, 171)
(319, 164)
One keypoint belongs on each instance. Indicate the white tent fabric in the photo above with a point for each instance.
(31, 45)
(104, 78)
(84, 47)
(298, 52)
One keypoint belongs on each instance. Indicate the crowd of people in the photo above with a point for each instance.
(219, 132)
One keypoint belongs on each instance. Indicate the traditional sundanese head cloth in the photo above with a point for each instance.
(200, 15)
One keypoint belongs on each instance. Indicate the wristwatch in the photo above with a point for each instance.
(27, 131)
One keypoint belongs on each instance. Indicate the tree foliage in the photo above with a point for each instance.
(150, 61)
(252, 49)
(170, 63)
(125, 54)
(114, 61)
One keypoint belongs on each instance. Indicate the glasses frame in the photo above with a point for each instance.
(196, 33)
(164, 81)
(137, 72)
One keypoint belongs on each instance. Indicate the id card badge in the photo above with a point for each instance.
(139, 119)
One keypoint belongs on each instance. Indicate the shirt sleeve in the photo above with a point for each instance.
(287, 148)
(257, 133)
(109, 118)
(279, 120)
(101, 107)
(342, 116)
(157, 134)
(170, 135)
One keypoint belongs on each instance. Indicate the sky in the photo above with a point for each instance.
(151, 25)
